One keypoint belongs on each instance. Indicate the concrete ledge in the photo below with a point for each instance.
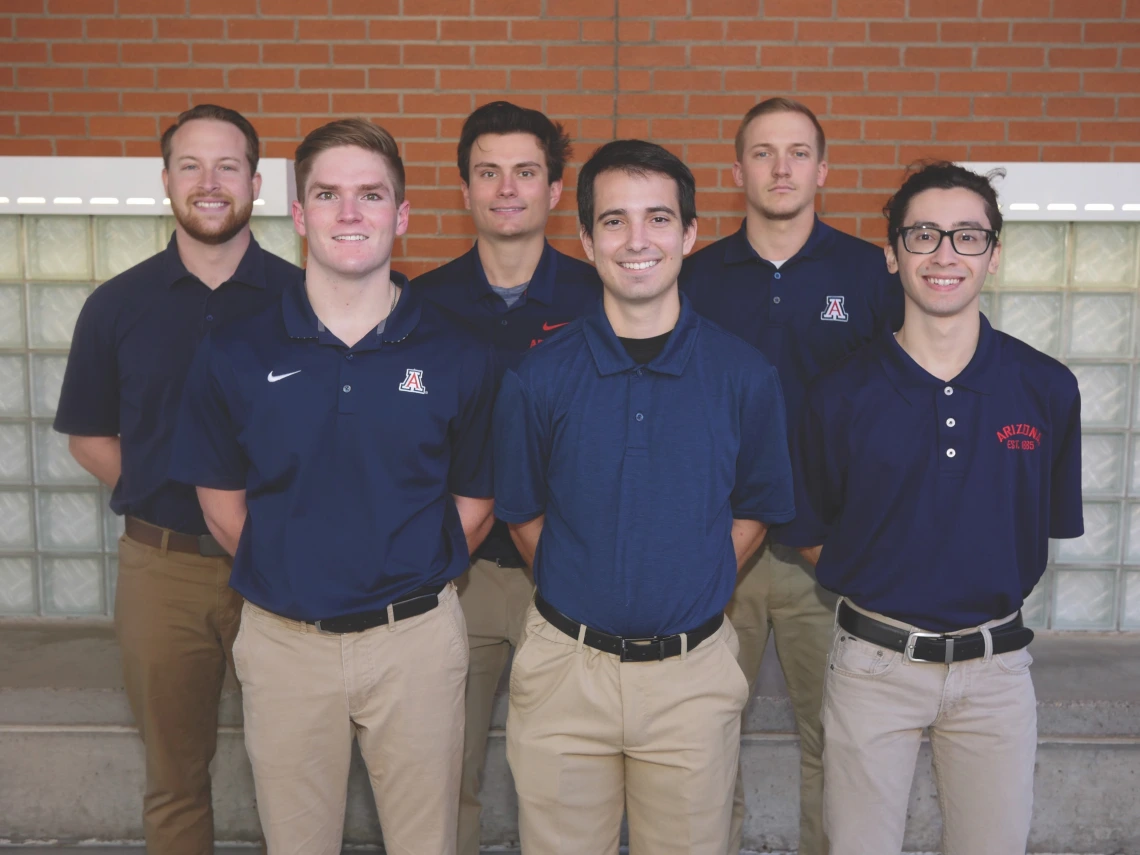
(72, 766)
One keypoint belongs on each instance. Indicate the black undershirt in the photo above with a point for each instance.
(645, 350)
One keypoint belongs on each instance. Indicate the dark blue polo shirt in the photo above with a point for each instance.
(640, 470)
(935, 501)
(561, 289)
(348, 455)
(130, 353)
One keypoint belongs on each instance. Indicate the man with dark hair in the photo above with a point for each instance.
(175, 615)
(933, 466)
(804, 294)
(340, 444)
(512, 289)
(640, 456)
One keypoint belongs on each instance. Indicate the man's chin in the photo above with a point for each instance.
(213, 234)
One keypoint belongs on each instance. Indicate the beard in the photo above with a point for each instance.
(212, 233)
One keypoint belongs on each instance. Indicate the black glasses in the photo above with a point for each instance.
(925, 240)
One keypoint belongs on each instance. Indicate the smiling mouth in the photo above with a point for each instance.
(637, 265)
(349, 238)
(944, 281)
(210, 205)
(514, 210)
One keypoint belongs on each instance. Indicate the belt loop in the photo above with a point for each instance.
(391, 618)
(684, 646)
(838, 606)
(989, 639)
(581, 636)
(164, 545)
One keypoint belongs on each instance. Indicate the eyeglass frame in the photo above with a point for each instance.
(990, 234)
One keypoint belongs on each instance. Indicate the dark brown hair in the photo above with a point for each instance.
(779, 105)
(218, 114)
(349, 132)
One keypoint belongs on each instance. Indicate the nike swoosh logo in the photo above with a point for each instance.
(548, 327)
(274, 378)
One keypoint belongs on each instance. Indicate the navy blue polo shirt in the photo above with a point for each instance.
(348, 455)
(935, 501)
(132, 347)
(640, 470)
(561, 289)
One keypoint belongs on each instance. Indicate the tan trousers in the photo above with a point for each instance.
(588, 735)
(494, 600)
(982, 716)
(397, 688)
(777, 593)
(176, 618)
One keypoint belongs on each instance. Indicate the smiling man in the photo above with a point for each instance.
(933, 466)
(340, 443)
(175, 616)
(640, 456)
(512, 290)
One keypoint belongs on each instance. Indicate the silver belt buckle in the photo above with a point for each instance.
(912, 640)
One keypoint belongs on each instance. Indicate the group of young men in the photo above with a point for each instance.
(590, 465)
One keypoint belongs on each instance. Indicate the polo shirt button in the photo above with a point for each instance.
(348, 356)
(209, 317)
(776, 275)
(346, 388)
(503, 322)
(949, 390)
(775, 299)
(950, 423)
(640, 417)
(950, 452)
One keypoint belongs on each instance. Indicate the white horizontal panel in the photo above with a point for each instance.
(1067, 192)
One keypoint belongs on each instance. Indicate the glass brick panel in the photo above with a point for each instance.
(1130, 612)
(69, 521)
(1034, 609)
(55, 309)
(1134, 488)
(277, 235)
(122, 242)
(1033, 254)
(1102, 464)
(1132, 548)
(73, 586)
(1084, 599)
(112, 577)
(1104, 255)
(1100, 544)
(14, 448)
(17, 531)
(11, 315)
(1104, 394)
(54, 463)
(59, 248)
(10, 266)
(13, 386)
(47, 378)
(1033, 318)
(17, 586)
(1100, 326)
(987, 302)
(113, 525)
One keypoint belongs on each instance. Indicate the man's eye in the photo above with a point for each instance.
(324, 195)
(371, 197)
(487, 174)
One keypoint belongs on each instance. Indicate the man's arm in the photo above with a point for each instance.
(810, 553)
(102, 456)
(525, 535)
(225, 513)
(477, 517)
(747, 535)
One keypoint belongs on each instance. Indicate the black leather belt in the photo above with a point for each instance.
(628, 649)
(418, 602)
(934, 646)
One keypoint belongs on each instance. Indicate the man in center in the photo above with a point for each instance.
(640, 455)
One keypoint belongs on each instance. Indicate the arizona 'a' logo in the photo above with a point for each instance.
(834, 310)
(414, 382)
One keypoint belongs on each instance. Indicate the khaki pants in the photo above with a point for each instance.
(588, 735)
(494, 601)
(176, 618)
(982, 716)
(777, 593)
(397, 688)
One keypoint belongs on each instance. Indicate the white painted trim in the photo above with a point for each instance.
(1067, 192)
(126, 186)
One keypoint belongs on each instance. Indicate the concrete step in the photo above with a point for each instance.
(71, 765)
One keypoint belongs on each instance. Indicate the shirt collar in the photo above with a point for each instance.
(541, 286)
(250, 270)
(301, 321)
(737, 249)
(611, 357)
(914, 382)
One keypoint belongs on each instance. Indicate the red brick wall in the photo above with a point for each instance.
(892, 80)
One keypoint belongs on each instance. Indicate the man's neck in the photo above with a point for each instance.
(942, 346)
(350, 308)
(510, 262)
(212, 263)
(643, 319)
(778, 240)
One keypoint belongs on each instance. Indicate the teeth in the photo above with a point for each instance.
(943, 281)
(209, 204)
(638, 265)
(350, 237)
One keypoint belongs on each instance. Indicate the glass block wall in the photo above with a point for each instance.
(57, 537)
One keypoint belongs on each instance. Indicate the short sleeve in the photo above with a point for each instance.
(763, 489)
(1066, 518)
(818, 476)
(471, 473)
(89, 399)
(521, 453)
(206, 451)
